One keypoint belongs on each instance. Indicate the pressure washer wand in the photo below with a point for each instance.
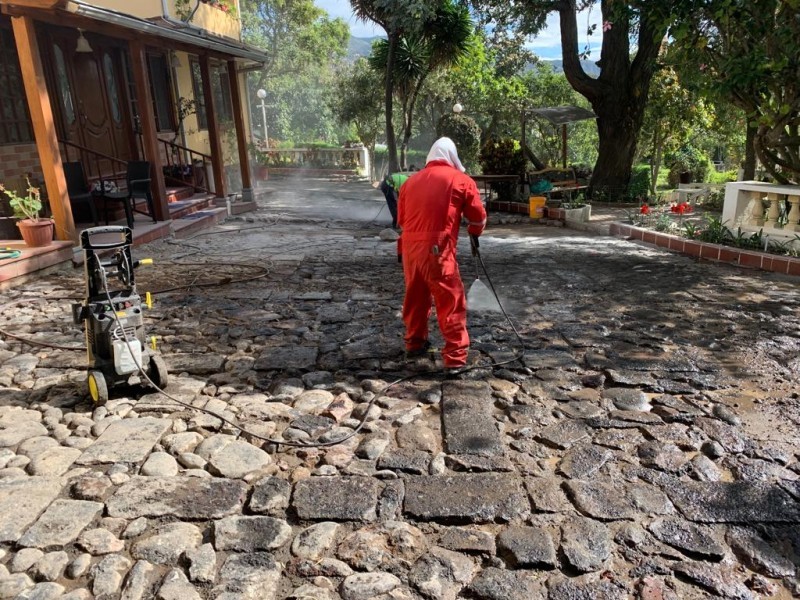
(476, 253)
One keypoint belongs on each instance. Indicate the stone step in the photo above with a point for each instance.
(197, 221)
(178, 193)
(238, 207)
(195, 203)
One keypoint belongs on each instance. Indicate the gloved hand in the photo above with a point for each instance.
(474, 244)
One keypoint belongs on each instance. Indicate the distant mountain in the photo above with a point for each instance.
(589, 66)
(359, 47)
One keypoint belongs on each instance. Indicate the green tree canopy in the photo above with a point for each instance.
(746, 52)
(440, 42)
(631, 35)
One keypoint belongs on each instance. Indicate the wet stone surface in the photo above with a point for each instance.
(645, 447)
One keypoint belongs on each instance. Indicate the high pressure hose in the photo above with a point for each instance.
(278, 442)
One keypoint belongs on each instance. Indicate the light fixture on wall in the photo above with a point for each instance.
(175, 61)
(82, 46)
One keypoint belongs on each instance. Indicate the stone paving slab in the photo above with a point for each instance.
(21, 503)
(336, 499)
(478, 498)
(61, 523)
(734, 502)
(125, 441)
(183, 498)
(467, 419)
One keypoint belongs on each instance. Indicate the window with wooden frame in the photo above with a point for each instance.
(161, 90)
(15, 121)
(219, 87)
(199, 98)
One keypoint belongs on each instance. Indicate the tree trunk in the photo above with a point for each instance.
(391, 142)
(749, 164)
(619, 95)
(618, 124)
(655, 167)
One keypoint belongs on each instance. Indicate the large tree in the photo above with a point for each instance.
(302, 45)
(397, 18)
(358, 101)
(439, 43)
(631, 35)
(746, 52)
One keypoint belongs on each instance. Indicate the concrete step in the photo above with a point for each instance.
(197, 221)
(178, 193)
(196, 203)
(238, 207)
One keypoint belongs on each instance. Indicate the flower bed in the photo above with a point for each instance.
(787, 265)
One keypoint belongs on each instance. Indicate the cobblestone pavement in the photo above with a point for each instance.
(645, 446)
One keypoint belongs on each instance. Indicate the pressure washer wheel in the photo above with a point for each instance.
(157, 371)
(98, 388)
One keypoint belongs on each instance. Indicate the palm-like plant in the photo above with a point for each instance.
(421, 37)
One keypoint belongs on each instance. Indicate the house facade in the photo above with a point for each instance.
(107, 82)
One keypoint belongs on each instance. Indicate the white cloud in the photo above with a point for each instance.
(548, 43)
(342, 9)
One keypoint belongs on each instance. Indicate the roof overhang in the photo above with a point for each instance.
(171, 29)
(45, 4)
(561, 115)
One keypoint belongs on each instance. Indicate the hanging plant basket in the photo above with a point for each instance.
(36, 234)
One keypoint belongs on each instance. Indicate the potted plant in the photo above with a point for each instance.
(35, 231)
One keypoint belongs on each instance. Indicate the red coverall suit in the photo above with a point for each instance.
(429, 212)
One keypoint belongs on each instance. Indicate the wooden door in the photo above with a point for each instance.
(93, 107)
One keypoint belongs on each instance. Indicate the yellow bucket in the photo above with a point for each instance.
(537, 204)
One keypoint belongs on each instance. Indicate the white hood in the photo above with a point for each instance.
(444, 149)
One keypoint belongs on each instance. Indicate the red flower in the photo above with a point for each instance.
(645, 210)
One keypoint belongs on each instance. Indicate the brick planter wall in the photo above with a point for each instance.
(785, 265)
(301, 172)
(509, 207)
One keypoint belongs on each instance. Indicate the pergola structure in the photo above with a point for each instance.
(563, 115)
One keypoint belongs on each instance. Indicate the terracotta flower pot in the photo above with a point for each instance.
(36, 233)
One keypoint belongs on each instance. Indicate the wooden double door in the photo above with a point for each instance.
(91, 97)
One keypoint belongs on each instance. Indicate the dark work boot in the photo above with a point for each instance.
(418, 352)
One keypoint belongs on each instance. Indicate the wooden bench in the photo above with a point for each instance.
(564, 183)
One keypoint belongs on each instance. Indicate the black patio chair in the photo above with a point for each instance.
(137, 181)
(78, 188)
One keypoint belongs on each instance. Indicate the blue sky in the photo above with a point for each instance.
(547, 44)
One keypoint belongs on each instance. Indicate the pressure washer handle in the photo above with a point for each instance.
(475, 244)
(87, 234)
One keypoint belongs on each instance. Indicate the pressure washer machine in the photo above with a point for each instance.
(115, 335)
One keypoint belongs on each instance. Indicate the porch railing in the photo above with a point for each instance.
(96, 165)
(184, 166)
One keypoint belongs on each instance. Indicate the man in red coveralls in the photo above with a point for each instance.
(430, 207)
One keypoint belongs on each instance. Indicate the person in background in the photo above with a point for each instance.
(430, 209)
(390, 186)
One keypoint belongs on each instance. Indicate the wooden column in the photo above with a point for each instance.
(241, 134)
(213, 128)
(149, 132)
(564, 146)
(44, 127)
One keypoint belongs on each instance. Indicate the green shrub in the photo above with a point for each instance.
(717, 177)
(689, 160)
(503, 157)
(465, 133)
(639, 186)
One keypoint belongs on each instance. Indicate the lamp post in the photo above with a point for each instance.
(457, 108)
(262, 93)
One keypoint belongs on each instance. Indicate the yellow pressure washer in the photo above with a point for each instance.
(118, 351)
